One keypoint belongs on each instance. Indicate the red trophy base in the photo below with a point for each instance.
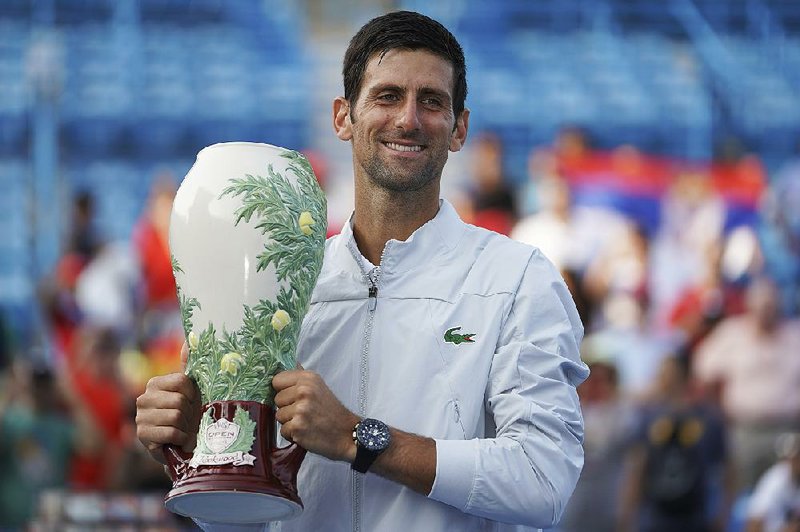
(263, 491)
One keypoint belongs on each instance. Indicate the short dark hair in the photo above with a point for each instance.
(407, 30)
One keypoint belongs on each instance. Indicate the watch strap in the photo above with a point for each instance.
(364, 458)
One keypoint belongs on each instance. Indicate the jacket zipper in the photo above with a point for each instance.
(372, 277)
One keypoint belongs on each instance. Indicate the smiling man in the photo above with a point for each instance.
(409, 423)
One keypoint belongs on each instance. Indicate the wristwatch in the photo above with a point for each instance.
(372, 438)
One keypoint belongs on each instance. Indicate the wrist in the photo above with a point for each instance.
(349, 445)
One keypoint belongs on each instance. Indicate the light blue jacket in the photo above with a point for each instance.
(502, 408)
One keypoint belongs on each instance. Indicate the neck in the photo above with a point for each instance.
(381, 215)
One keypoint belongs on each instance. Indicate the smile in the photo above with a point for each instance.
(401, 147)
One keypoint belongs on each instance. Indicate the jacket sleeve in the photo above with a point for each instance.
(527, 471)
(206, 526)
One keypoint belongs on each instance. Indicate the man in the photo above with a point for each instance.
(678, 452)
(749, 364)
(464, 342)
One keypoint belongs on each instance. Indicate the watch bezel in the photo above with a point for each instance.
(365, 437)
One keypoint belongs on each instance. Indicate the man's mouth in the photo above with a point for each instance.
(402, 147)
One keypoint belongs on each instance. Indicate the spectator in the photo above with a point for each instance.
(678, 454)
(571, 236)
(160, 327)
(573, 149)
(750, 364)
(775, 503)
(493, 204)
(151, 242)
(97, 382)
(105, 290)
(620, 269)
(702, 305)
(693, 216)
(626, 338)
(84, 239)
(57, 292)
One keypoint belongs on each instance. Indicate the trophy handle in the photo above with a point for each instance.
(286, 463)
(177, 461)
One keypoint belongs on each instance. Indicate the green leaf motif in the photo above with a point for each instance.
(187, 305)
(275, 206)
(205, 421)
(247, 432)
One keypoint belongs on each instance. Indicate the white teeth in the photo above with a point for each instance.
(400, 147)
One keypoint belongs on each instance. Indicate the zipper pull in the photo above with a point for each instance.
(373, 296)
(372, 276)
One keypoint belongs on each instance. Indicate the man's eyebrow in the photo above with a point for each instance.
(429, 91)
(424, 91)
(385, 87)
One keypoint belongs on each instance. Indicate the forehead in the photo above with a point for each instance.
(410, 70)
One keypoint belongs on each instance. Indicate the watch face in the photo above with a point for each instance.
(373, 434)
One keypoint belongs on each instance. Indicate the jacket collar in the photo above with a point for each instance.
(436, 237)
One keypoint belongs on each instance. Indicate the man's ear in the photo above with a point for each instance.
(341, 119)
(459, 135)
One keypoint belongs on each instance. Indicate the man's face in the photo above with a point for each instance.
(402, 124)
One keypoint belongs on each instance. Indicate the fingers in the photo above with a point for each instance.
(293, 385)
(168, 412)
(174, 382)
(154, 438)
(165, 408)
(286, 432)
(285, 415)
(285, 379)
(294, 401)
(285, 397)
(295, 421)
(311, 415)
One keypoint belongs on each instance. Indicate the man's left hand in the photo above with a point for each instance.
(312, 416)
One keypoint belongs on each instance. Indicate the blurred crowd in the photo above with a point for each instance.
(685, 274)
(67, 409)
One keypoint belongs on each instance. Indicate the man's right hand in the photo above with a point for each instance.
(168, 412)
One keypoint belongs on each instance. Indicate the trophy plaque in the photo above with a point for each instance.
(247, 236)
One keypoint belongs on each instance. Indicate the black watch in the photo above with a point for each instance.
(372, 438)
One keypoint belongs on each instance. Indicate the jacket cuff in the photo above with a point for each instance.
(455, 472)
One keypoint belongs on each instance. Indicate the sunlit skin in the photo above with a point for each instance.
(401, 129)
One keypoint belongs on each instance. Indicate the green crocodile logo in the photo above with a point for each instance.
(453, 337)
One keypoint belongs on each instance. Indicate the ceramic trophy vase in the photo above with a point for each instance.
(247, 236)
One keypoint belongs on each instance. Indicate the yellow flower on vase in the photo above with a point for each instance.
(280, 319)
(193, 340)
(231, 362)
(305, 221)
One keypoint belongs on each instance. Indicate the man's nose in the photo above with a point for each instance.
(408, 116)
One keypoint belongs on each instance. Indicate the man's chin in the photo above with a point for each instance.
(402, 183)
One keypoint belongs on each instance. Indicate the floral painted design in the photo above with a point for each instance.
(239, 365)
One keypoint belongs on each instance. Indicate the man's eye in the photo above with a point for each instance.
(389, 97)
(432, 102)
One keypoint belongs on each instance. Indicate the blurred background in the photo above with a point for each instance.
(650, 148)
